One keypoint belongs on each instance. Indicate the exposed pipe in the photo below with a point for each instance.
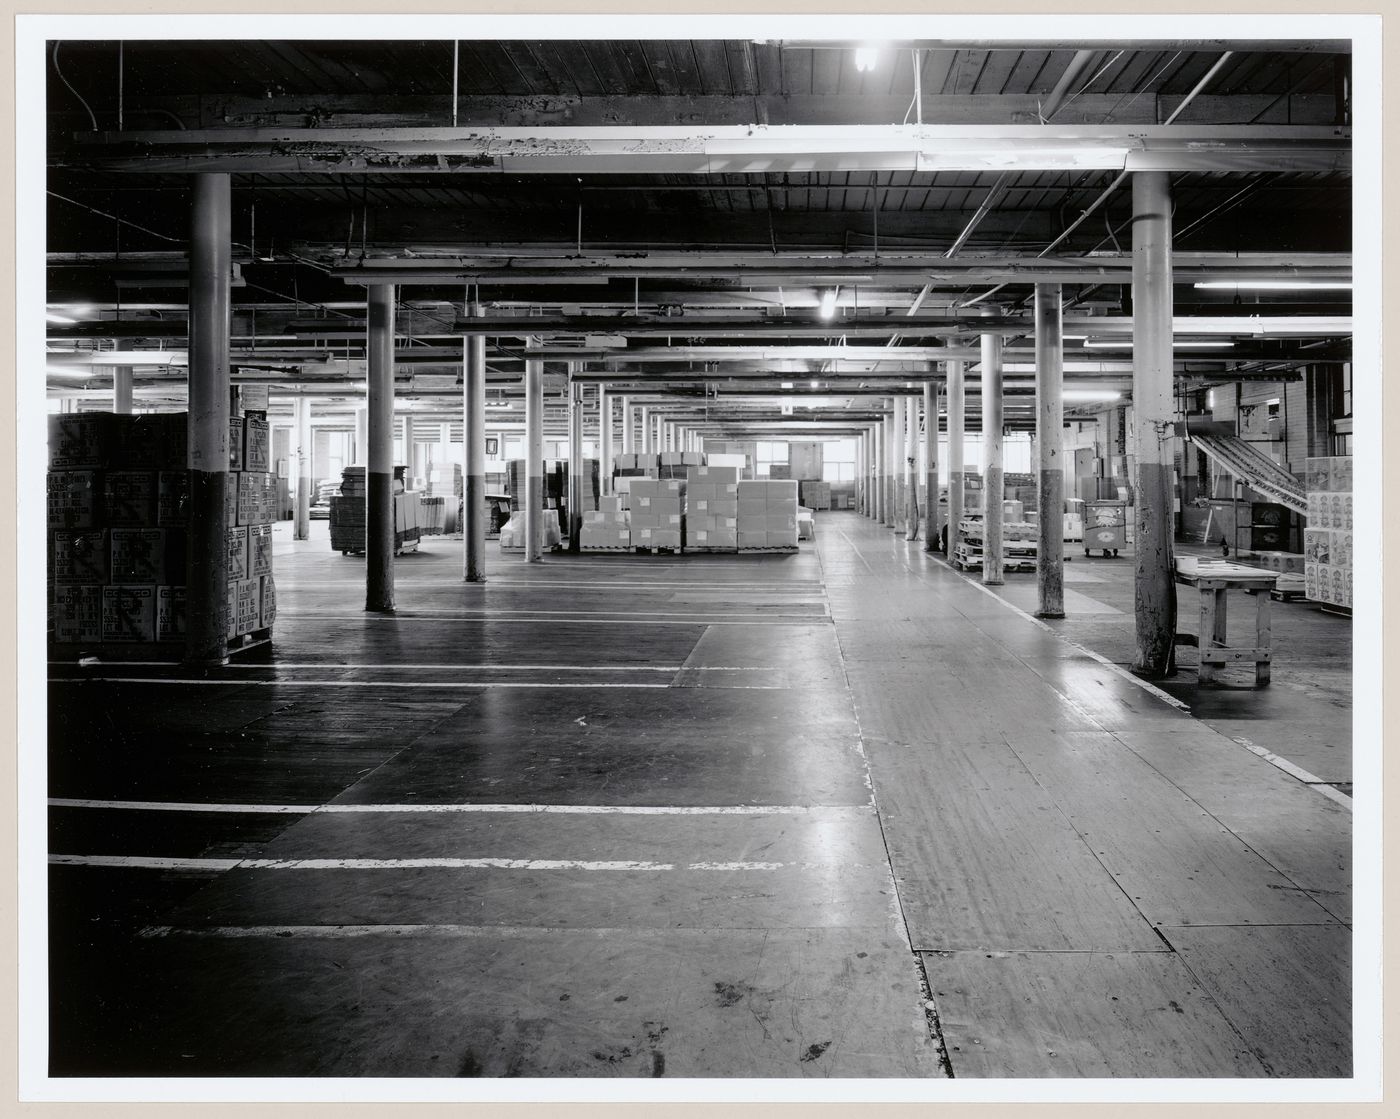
(91, 116)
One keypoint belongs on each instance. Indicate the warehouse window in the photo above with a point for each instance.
(765, 454)
(839, 460)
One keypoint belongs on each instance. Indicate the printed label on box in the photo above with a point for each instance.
(77, 613)
(170, 613)
(267, 602)
(130, 497)
(172, 498)
(128, 613)
(73, 499)
(237, 567)
(81, 557)
(138, 555)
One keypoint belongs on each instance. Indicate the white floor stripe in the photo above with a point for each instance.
(409, 666)
(345, 932)
(458, 618)
(833, 812)
(1297, 772)
(342, 683)
(146, 862)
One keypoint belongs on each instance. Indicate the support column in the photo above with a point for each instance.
(206, 579)
(361, 436)
(474, 517)
(443, 463)
(1154, 593)
(860, 474)
(992, 457)
(379, 469)
(122, 377)
(957, 405)
(644, 415)
(301, 462)
(605, 441)
(575, 491)
(1049, 431)
(897, 426)
(534, 453)
(911, 468)
(629, 426)
(886, 471)
(931, 517)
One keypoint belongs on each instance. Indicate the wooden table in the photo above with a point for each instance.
(1214, 578)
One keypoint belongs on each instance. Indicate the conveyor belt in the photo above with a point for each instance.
(1254, 468)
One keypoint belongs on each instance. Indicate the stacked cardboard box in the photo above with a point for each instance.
(767, 514)
(1327, 539)
(117, 512)
(711, 519)
(654, 506)
(607, 528)
(252, 493)
(815, 495)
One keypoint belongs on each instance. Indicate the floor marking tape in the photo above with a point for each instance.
(553, 621)
(341, 683)
(145, 862)
(346, 932)
(1296, 771)
(834, 811)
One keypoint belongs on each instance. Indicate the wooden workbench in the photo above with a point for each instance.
(1214, 578)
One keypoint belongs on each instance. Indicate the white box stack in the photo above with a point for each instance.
(711, 508)
(606, 528)
(767, 515)
(655, 510)
(1327, 538)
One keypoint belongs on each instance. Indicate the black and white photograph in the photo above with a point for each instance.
(670, 558)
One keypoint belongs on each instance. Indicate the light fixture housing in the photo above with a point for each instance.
(827, 307)
(866, 58)
(1273, 285)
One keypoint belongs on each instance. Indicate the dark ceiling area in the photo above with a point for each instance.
(598, 186)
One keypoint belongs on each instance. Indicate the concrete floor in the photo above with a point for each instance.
(837, 814)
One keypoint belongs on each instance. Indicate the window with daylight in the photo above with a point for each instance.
(839, 460)
(765, 454)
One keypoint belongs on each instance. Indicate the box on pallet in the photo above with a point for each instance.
(245, 604)
(172, 498)
(237, 566)
(612, 536)
(235, 443)
(713, 474)
(170, 613)
(80, 440)
(74, 499)
(148, 555)
(646, 537)
(257, 446)
(256, 498)
(81, 557)
(130, 498)
(248, 398)
(267, 601)
(77, 613)
(129, 612)
(260, 550)
(616, 504)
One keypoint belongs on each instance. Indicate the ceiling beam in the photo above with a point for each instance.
(716, 150)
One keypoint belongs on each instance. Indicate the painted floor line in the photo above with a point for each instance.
(147, 862)
(408, 666)
(411, 617)
(702, 617)
(346, 932)
(834, 811)
(1297, 772)
(344, 683)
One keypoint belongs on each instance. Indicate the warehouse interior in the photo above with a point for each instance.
(756, 558)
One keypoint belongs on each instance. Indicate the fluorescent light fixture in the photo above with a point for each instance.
(60, 371)
(827, 307)
(787, 384)
(866, 57)
(59, 318)
(1274, 285)
(497, 404)
(1126, 343)
(815, 384)
(1091, 394)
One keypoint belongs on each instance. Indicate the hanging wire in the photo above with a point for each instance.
(91, 116)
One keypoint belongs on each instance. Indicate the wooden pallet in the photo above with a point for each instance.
(695, 550)
(789, 550)
(155, 652)
(1287, 596)
(645, 550)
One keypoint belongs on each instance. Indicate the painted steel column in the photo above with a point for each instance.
(206, 578)
(361, 436)
(629, 422)
(575, 491)
(993, 490)
(931, 519)
(534, 453)
(301, 462)
(474, 519)
(1154, 592)
(1049, 431)
(886, 481)
(605, 441)
(379, 456)
(957, 411)
(122, 377)
(911, 468)
(644, 416)
(860, 474)
(897, 426)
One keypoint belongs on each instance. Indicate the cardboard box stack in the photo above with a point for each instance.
(767, 514)
(347, 512)
(654, 507)
(252, 491)
(606, 528)
(1327, 539)
(117, 513)
(815, 495)
(711, 519)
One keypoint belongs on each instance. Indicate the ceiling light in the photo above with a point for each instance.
(1127, 344)
(1212, 345)
(827, 307)
(787, 384)
(1091, 394)
(1275, 285)
(815, 384)
(61, 371)
(866, 57)
(59, 318)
